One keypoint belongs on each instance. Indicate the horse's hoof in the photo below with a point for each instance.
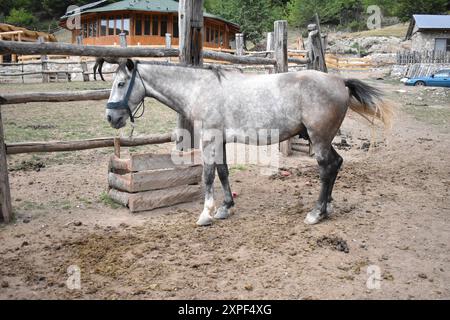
(314, 217)
(204, 220)
(222, 213)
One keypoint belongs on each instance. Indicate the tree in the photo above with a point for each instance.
(21, 17)
(335, 12)
(406, 8)
(255, 17)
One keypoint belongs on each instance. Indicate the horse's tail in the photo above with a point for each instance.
(367, 101)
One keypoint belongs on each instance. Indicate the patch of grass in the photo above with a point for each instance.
(66, 121)
(434, 116)
(397, 30)
(237, 167)
(31, 205)
(106, 200)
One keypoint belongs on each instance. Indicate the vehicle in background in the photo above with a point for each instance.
(439, 79)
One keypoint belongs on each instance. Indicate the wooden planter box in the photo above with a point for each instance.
(149, 181)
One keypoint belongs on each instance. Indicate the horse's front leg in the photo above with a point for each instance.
(222, 169)
(209, 173)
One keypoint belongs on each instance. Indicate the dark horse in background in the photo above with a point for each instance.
(99, 65)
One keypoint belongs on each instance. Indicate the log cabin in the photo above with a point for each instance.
(145, 22)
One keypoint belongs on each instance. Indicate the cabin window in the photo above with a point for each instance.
(207, 34)
(85, 26)
(175, 27)
(155, 25)
(216, 36)
(147, 22)
(111, 26)
(94, 28)
(163, 28)
(126, 25)
(118, 25)
(103, 27)
(91, 29)
(138, 26)
(221, 38)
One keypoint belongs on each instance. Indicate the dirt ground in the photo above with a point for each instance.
(391, 213)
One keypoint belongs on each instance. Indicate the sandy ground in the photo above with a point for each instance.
(391, 215)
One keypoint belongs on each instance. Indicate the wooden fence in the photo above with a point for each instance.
(51, 70)
(416, 70)
(425, 56)
(348, 63)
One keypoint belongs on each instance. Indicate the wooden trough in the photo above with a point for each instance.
(148, 181)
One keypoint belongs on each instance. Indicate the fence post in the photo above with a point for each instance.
(85, 70)
(23, 80)
(6, 213)
(239, 44)
(168, 41)
(123, 39)
(1, 56)
(316, 54)
(269, 45)
(281, 56)
(45, 76)
(168, 44)
(191, 45)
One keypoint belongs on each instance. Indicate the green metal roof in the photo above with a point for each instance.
(144, 5)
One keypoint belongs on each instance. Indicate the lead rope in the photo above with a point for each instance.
(141, 105)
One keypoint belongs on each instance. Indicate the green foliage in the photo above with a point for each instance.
(352, 13)
(20, 17)
(334, 12)
(406, 8)
(254, 16)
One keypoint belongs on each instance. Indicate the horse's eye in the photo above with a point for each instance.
(121, 84)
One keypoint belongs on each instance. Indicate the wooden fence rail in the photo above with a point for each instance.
(424, 56)
(60, 146)
(13, 98)
(7, 47)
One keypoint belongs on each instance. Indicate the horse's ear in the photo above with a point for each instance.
(130, 64)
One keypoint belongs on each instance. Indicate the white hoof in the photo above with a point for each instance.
(314, 217)
(222, 213)
(204, 220)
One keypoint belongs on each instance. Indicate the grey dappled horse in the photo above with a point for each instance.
(237, 105)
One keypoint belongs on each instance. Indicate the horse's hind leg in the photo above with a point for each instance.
(333, 180)
(329, 163)
(209, 173)
(222, 169)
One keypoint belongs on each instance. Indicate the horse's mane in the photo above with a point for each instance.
(218, 71)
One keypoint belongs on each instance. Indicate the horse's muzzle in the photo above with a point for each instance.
(117, 119)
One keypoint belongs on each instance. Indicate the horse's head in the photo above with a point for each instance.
(127, 92)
